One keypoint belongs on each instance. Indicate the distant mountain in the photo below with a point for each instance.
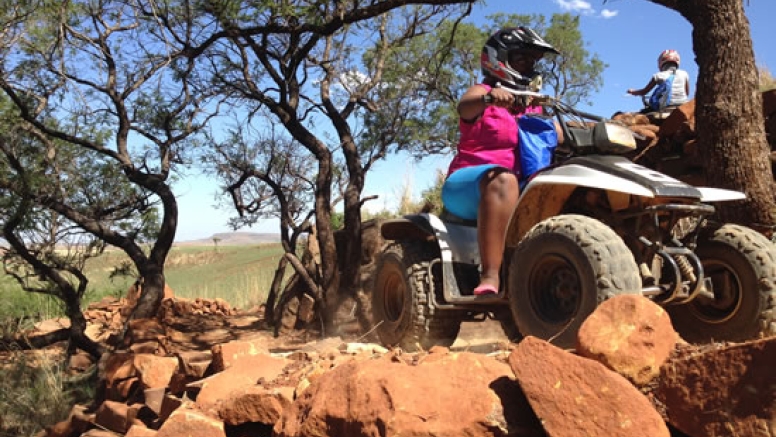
(234, 239)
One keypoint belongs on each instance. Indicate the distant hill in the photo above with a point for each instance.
(234, 239)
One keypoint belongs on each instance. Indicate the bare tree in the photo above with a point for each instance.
(108, 77)
(305, 65)
(268, 175)
(46, 253)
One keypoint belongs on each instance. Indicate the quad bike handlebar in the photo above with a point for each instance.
(526, 98)
(584, 133)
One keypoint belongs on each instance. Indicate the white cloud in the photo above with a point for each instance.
(606, 13)
(579, 6)
(583, 7)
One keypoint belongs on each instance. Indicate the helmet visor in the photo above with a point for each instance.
(523, 61)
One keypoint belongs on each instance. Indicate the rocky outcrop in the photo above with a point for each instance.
(630, 376)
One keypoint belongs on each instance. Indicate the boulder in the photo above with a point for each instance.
(629, 334)
(453, 395)
(576, 396)
(723, 390)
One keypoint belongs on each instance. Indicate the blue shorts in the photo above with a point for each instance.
(461, 191)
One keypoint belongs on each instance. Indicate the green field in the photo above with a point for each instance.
(241, 275)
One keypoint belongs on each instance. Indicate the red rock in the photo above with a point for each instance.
(124, 389)
(189, 422)
(141, 330)
(115, 416)
(576, 396)
(169, 405)
(629, 334)
(224, 355)
(725, 391)
(155, 371)
(80, 362)
(63, 428)
(679, 116)
(117, 367)
(140, 431)
(254, 405)
(465, 394)
(147, 348)
(245, 371)
(80, 419)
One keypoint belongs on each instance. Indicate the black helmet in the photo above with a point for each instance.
(495, 54)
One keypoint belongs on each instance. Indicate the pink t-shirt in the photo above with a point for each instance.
(491, 139)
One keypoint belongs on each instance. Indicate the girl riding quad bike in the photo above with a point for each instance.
(670, 86)
(588, 227)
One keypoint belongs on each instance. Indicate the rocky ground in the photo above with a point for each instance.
(204, 369)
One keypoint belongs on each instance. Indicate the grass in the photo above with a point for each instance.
(18, 308)
(35, 392)
(241, 275)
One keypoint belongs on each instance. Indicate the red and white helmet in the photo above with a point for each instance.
(667, 56)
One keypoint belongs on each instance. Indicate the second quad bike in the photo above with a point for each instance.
(590, 226)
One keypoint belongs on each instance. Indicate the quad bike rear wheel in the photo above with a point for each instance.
(741, 263)
(401, 291)
(562, 270)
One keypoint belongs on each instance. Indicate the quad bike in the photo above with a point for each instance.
(590, 226)
(655, 116)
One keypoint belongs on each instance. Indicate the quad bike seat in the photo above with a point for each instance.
(656, 117)
(449, 217)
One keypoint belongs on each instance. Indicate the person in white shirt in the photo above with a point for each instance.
(673, 84)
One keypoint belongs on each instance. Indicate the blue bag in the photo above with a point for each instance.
(537, 140)
(661, 97)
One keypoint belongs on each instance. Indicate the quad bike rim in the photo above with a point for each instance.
(728, 293)
(556, 290)
(394, 291)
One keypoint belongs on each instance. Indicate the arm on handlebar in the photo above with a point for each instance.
(549, 101)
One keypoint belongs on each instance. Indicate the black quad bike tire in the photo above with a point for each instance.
(401, 310)
(741, 263)
(562, 270)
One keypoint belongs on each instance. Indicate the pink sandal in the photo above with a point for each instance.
(485, 289)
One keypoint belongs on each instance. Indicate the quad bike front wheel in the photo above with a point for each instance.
(562, 270)
(401, 291)
(741, 263)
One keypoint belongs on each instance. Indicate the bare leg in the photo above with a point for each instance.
(499, 191)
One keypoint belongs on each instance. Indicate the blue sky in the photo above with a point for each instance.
(628, 35)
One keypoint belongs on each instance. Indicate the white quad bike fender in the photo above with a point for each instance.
(457, 243)
(546, 193)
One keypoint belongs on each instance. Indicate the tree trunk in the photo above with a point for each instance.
(77, 332)
(153, 292)
(728, 112)
(151, 269)
(330, 275)
(351, 264)
(274, 289)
